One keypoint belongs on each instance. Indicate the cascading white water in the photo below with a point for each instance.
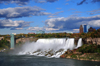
(54, 47)
(79, 44)
(70, 44)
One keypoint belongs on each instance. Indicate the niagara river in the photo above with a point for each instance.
(30, 60)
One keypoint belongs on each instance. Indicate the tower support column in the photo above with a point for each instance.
(12, 41)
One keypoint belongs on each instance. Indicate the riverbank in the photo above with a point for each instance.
(2, 50)
(86, 52)
(86, 56)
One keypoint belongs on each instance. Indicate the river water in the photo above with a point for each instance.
(30, 60)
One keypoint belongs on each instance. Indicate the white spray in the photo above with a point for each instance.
(54, 47)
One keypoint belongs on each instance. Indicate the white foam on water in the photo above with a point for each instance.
(54, 47)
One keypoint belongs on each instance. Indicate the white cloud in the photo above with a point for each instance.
(52, 16)
(18, 12)
(44, 1)
(75, 30)
(70, 23)
(35, 28)
(94, 23)
(7, 23)
(19, 2)
(19, 28)
(50, 29)
(41, 28)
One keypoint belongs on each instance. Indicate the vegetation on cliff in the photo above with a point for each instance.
(92, 48)
(4, 44)
(86, 52)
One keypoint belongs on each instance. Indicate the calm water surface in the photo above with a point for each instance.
(29, 60)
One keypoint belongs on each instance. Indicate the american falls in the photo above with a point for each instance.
(50, 47)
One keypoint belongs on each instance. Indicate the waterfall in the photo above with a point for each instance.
(54, 47)
(70, 44)
(79, 44)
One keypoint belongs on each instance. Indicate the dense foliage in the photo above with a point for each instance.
(4, 43)
(49, 35)
(94, 34)
(89, 48)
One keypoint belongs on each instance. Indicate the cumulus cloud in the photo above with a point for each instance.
(94, 23)
(87, 1)
(25, 2)
(18, 12)
(19, 2)
(19, 28)
(51, 0)
(44, 1)
(50, 29)
(71, 23)
(7, 23)
(40, 1)
(51, 16)
(35, 28)
(81, 2)
(41, 28)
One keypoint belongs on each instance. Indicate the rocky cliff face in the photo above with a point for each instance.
(89, 41)
(1, 38)
(85, 41)
(26, 39)
(93, 41)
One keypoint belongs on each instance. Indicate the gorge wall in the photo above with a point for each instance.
(91, 41)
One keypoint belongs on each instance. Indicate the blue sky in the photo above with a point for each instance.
(24, 16)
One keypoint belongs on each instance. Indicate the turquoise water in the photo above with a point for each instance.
(29, 60)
